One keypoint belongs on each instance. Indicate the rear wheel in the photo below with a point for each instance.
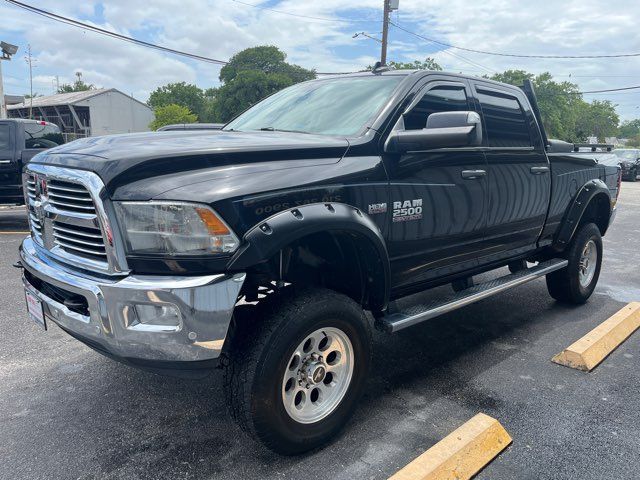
(298, 372)
(576, 282)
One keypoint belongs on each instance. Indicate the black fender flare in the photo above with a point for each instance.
(576, 210)
(267, 238)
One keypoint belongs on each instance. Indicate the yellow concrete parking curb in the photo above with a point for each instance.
(461, 454)
(595, 346)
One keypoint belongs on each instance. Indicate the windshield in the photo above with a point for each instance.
(340, 106)
(628, 154)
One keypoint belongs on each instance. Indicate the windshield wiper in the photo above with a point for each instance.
(273, 129)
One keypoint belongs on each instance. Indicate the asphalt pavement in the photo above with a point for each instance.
(68, 413)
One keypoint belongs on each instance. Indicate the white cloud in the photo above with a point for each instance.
(220, 28)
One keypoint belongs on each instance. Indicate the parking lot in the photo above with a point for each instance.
(67, 412)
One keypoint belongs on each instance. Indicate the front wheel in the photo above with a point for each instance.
(295, 376)
(576, 282)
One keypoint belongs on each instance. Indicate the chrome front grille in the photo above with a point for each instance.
(34, 221)
(68, 219)
(76, 240)
(70, 197)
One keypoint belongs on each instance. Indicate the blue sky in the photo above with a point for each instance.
(219, 28)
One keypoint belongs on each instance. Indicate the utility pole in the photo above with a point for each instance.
(385, 32)
(29, 60)
(389, 6)
(3, 109)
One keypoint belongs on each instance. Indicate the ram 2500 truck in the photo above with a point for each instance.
(20, 140)
(259, 248)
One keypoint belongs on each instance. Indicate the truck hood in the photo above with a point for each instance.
(124, 159)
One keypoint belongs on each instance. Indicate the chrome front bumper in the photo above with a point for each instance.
(203, 308)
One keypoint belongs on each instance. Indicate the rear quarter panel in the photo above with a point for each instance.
(569, 172)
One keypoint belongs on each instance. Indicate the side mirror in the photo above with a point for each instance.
(443, 130)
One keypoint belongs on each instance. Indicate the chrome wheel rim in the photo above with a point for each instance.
(588, 263)
(318, 375)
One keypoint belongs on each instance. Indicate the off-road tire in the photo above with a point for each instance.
(259, 354)
(564, 285)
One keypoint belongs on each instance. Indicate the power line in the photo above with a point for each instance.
(135, 41)
(621, 55)
(346, 20)
(78, 24)
(470, 62)
(608, 90)
(85, 26)
(308, 17)
(595, 76)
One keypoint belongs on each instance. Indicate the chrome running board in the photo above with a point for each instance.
(420, 313)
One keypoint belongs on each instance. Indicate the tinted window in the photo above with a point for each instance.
(443, 98)
(4, 137)
(42, 136)
(504, 120)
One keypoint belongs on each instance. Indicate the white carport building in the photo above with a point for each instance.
(101, 111)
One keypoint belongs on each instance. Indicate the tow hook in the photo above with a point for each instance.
(19, 265)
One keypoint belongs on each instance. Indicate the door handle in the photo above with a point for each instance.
(473, 174)
(539, 170)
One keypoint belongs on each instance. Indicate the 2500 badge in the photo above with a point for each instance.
(407, 210)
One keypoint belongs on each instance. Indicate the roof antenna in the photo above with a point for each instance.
(379, 68)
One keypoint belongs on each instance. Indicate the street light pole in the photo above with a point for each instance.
(385, 32)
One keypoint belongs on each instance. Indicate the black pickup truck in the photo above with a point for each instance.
(20, 140)
(258, 248)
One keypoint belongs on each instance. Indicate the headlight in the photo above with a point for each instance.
(173, 228)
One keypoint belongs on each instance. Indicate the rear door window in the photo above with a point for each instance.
(504, 120)
(439, 98)
(38, 135)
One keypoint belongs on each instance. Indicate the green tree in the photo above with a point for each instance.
(428, 64)
(266, 59)
(180, 93)
(209, 110)
(170, 114)
(250, 76)
(634, 141)
(629, 128)
(78, 86)
(598, 118)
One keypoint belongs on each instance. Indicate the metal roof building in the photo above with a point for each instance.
(13, 99)
(102, 111)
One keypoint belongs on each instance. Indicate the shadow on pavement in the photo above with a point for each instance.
(13, 219)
